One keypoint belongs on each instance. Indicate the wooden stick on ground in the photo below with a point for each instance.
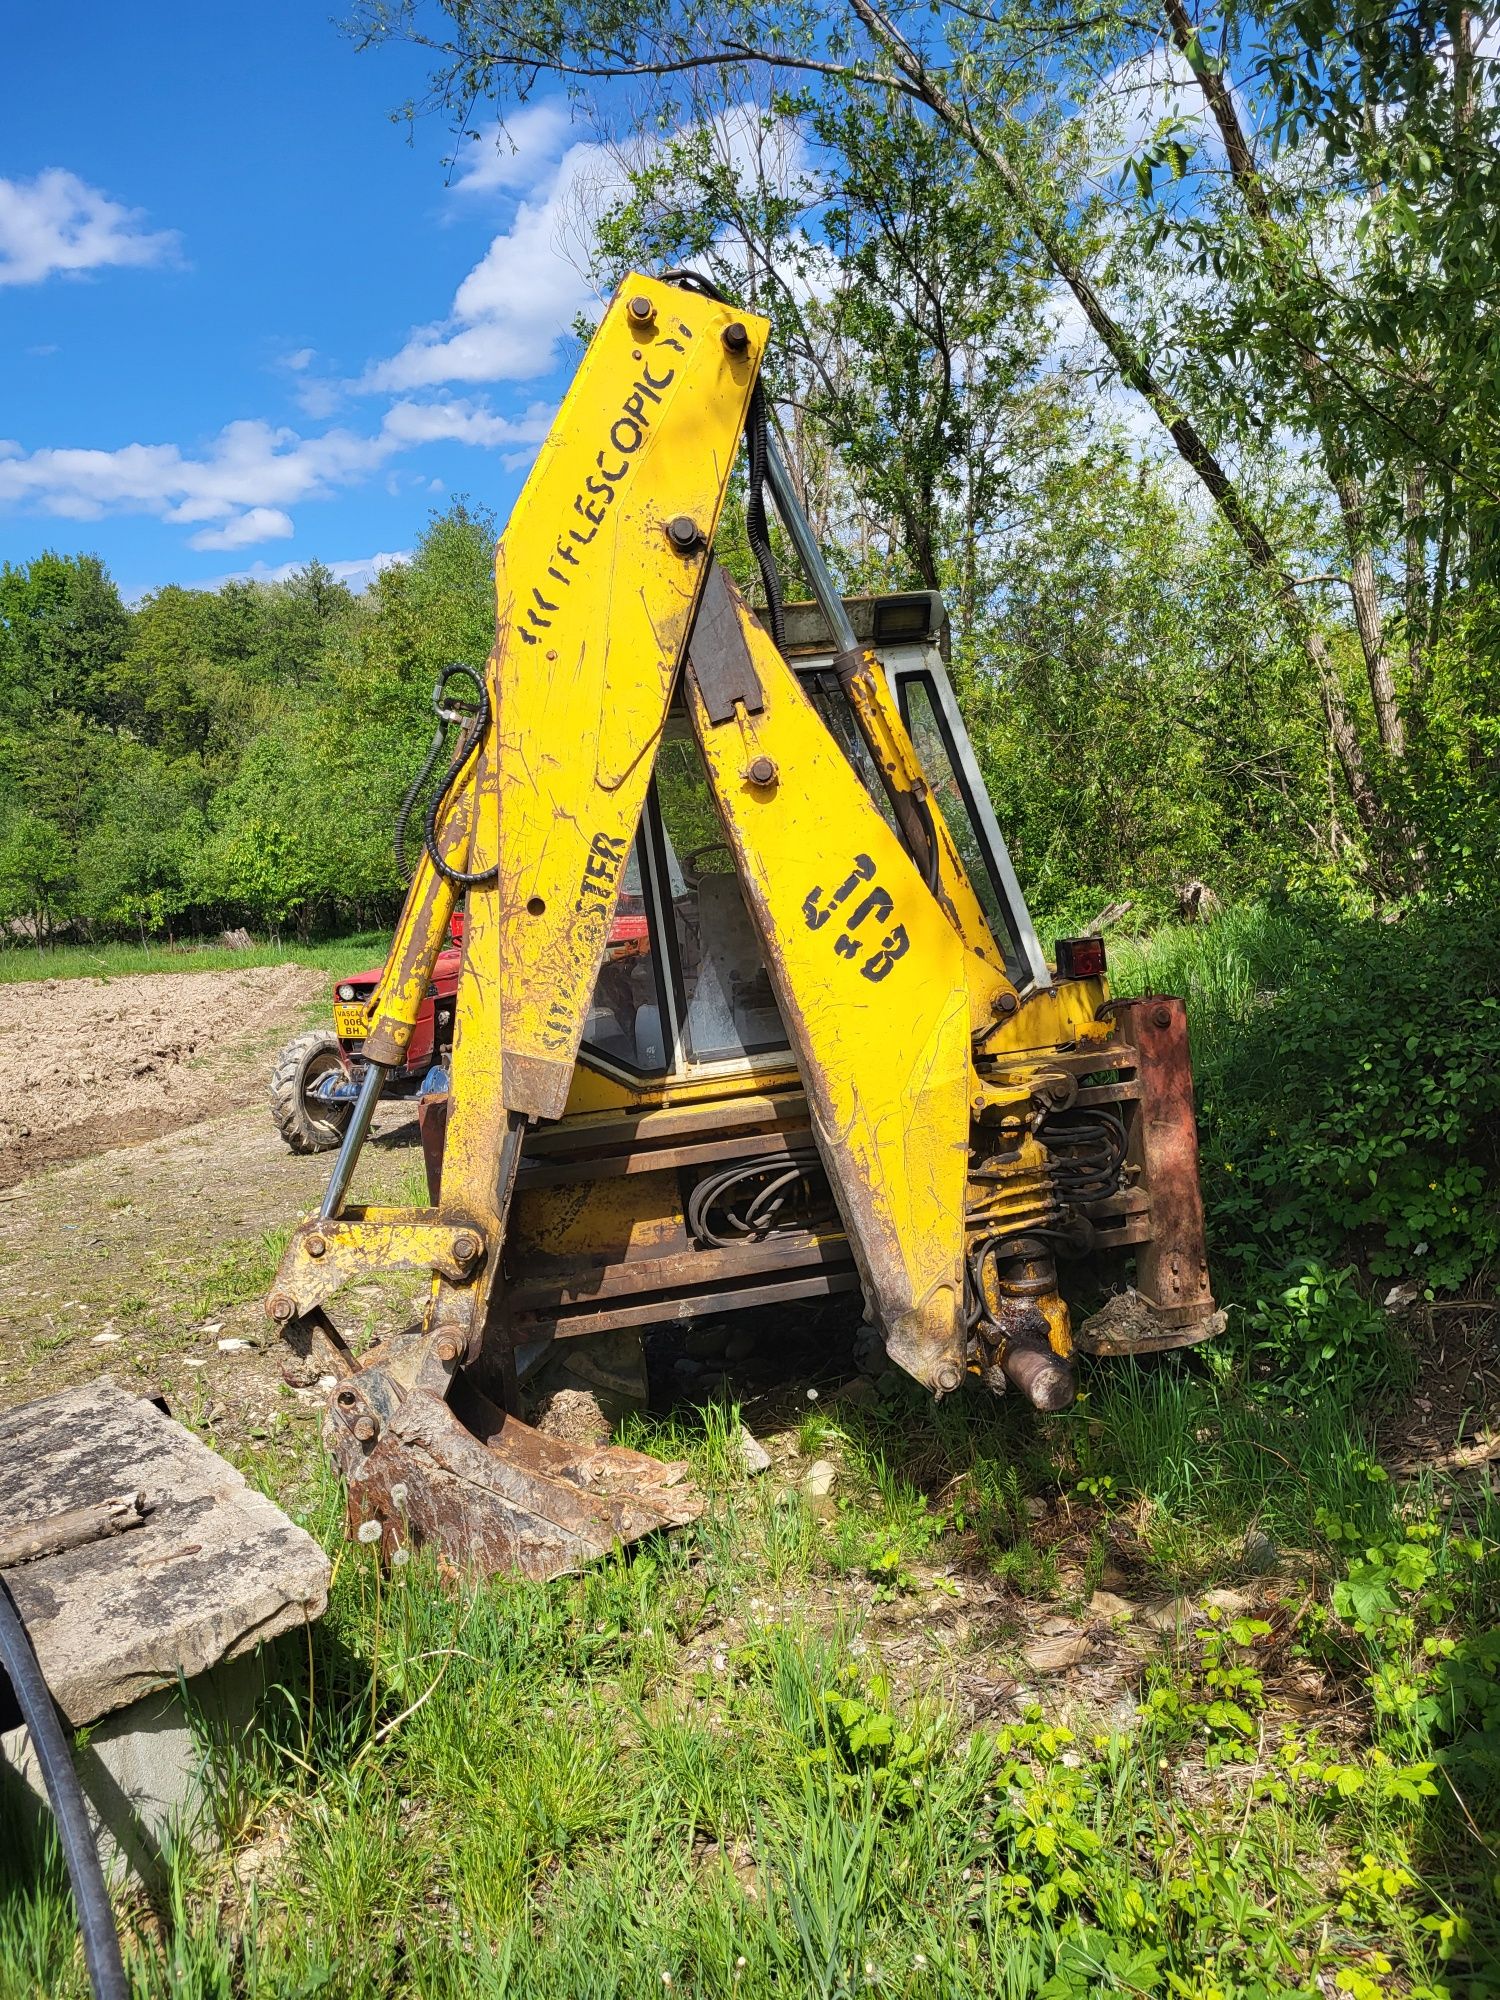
(71, 1529)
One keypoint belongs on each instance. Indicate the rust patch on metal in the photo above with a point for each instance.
(1171, 1269)
(484, 1489)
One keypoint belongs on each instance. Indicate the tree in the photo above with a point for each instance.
(62, 626)
(909, 319)
(982, 75)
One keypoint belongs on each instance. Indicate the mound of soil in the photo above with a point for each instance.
(89, 1063)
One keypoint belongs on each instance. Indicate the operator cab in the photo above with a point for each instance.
(684, 987)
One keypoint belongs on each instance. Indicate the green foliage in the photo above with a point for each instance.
(1318, 1329)
(1222, 1696)
(1357, 1112)
(1430, 1685)
(869, 1745)
(217, 758)
(1111, 607)
(1347, 1072)
(574, 1788)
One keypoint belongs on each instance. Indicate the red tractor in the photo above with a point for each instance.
(317, 1076)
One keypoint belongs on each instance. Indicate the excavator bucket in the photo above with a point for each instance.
(457, 1473)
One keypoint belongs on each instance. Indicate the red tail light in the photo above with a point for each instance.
(1080, 958)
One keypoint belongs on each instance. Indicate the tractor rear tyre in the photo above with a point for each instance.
(306, 1125)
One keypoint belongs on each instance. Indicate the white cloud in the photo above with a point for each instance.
(257, 524)
(507, 320)
(57, 222)
(249, 464)
(1149, 90)
(520, 300)
(317, 397)
(464, 423)
(511, 155)
(1137, 96)
(244, 481)
(518, 304)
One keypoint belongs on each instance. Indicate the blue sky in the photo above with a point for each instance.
(245, 322)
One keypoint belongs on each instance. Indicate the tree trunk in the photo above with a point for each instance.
(1364, 586)
(1364, 589)
(1136, 370)
(1416, 576)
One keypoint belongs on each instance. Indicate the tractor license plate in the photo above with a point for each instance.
(349, 1020)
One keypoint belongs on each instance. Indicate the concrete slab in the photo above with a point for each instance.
(146, 1770)
(153, 1639)
(215, 1571)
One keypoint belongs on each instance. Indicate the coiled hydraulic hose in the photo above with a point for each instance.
(475, 721)
(101, 1943)
(758, 1197)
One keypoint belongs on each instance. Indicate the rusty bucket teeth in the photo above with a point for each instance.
(490, 1493)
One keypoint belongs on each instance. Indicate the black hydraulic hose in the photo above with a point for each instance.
(101, 1943)
(475, 721)
(413, 793)
(757, 527)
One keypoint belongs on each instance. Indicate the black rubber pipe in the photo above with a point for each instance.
(101, 1943)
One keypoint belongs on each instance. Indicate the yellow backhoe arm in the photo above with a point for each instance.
(932, 1087)
(869, 972)
(597, 580)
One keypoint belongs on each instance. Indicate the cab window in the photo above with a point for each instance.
(724, 996)
(929, 734)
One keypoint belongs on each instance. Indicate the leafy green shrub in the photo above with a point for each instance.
(1044, 1827)
(1220, 1696)
(1315, 1330)
(1433, 1684)
(1356, 1108)
(868, 1743)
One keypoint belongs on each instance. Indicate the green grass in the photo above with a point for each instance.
(744, 1761)
(118, 961)
(688, 1772)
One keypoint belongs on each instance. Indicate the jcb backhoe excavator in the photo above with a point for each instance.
(838, 1061)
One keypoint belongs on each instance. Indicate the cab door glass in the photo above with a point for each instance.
(725, 1000)
(624, 1022)
(826, 692)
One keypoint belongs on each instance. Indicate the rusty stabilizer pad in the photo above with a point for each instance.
(490, 1493)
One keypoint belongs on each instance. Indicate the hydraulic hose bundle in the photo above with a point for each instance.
(474, 721)
(757, 1198)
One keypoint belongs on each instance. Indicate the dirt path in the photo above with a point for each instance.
(90, 1063)
(149, 1261)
